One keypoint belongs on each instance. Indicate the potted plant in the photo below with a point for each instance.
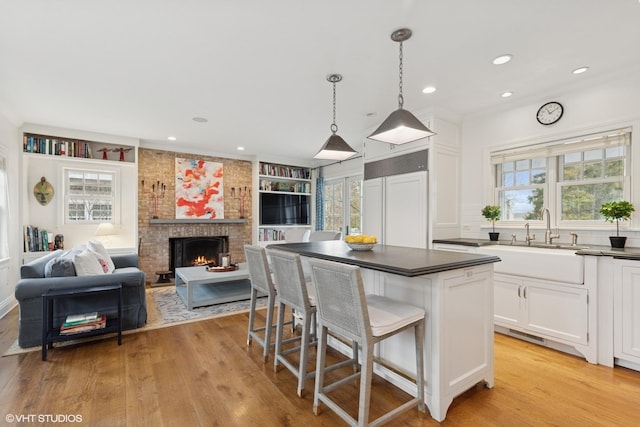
(492, 213)
(618, 211)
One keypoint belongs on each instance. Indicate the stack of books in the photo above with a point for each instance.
(77, 323)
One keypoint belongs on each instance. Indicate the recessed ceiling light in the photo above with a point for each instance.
(502, 59)
(240, 148)
(370, 114)
(171, 138)
(580, 70)
(429, 89)
(200, 119)
(506, 94)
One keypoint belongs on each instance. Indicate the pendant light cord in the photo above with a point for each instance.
(334, 126)
(400, 97)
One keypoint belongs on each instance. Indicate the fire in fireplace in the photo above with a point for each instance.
(197, 250)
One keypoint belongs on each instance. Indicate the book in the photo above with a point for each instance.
(81, 318)
(99, 323)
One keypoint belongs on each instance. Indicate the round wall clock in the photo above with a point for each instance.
(549, 113)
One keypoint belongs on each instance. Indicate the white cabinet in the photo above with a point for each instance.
(626, 303)
(395, 209)
(556, 311)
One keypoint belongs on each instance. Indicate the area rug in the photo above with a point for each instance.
(164, 309)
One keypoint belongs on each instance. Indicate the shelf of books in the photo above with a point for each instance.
(76, 148)
(284, 171)
(36, 240)
(77, 323)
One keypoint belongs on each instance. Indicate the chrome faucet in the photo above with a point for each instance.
(528, 238)
(548, 236)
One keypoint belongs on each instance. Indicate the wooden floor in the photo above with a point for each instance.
(203, 374)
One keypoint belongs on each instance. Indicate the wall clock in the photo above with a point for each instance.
(549, 113)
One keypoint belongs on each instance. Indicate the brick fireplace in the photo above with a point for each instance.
(154, 234)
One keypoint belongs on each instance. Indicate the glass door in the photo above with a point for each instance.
(342, 205)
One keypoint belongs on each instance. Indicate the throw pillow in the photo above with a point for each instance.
(61, 266)
(96, 246)
(103, 262)
(87, 264)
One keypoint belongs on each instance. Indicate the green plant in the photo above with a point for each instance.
(617, 211)
(491, 213)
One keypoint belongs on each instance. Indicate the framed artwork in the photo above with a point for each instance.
(199, 189)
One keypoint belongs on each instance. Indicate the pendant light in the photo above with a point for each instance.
(335, 148)
(401, 126)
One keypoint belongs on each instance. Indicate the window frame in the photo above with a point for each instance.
(552, 190)
(114, 198)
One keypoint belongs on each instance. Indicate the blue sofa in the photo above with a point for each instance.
(33, 284)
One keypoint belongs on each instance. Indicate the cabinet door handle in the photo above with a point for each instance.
(519, 287)
(524, 292)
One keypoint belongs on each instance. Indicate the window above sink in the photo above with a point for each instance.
(572, 177)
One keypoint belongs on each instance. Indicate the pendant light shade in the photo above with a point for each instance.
(335, 148)
(401, 126)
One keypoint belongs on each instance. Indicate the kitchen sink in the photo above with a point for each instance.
(539, 261)
(546, 245)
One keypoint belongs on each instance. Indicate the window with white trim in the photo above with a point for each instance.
(89, 196)
(573, 178)
(4, 209)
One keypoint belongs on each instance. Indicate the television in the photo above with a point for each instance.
(284, 209)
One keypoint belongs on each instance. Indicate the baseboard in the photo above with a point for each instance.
(7, 305)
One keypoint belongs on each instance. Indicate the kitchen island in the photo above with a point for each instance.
(455, 290)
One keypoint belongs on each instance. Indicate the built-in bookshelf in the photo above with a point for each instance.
(49, 145)
(284, 200)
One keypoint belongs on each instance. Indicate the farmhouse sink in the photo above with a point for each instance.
(546, 245)
(541, 262)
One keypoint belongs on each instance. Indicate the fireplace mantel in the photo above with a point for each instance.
(198, 221)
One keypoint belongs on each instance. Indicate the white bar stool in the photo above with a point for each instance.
(343, 308)
(261, 282)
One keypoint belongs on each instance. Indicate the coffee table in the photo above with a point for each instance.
(198, 287)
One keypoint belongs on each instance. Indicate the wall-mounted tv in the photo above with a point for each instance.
(284, 209)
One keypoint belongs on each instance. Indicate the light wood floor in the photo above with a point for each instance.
(203, 374)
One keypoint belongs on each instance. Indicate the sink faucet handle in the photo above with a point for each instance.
(574, 238)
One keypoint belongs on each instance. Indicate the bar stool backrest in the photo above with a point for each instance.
(287, 269)
(340, 299)
(259, 269)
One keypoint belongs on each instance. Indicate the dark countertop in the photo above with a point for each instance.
(399, 260)
(593, 250)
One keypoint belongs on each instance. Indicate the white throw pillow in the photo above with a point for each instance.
(96, 246)
(87, 264)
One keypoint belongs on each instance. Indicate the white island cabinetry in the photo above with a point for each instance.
(626, 309)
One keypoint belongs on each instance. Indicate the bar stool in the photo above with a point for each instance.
(300, 297)
(344, 308)
(261, 282)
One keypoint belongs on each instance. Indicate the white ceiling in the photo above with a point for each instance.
(257, 69)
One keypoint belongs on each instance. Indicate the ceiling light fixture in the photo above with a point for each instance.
(200, 119)
(335, 148)
(580, 70)
(429, 89)
(506, 94)
(171, 138)
(401, 126)
(502, 59)
(240, 148)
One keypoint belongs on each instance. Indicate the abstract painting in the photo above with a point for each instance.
(199, 190)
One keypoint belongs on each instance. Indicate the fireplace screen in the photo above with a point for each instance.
(193, 251)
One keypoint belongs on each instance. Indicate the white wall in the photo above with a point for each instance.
(9, 268)
(599, 106)
(50, 217)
